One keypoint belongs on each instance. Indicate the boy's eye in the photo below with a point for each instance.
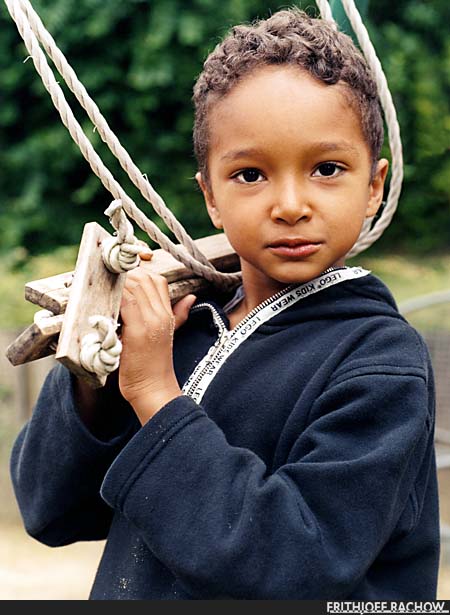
(249, 176)
(327, 169)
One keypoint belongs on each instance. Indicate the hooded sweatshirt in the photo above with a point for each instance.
(304, 470)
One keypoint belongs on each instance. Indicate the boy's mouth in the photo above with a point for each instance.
(294, 247)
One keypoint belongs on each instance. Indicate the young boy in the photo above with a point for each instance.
(282, 446)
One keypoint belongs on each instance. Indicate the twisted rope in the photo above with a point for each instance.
(100, 350)
(180, 251)
(368, 236)
(325, 11)
(107, 135)
(120, 253)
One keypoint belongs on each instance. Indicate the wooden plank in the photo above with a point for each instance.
(94, 291)
(216, 248)
(91, 280)
(36, 341)
(52, 293)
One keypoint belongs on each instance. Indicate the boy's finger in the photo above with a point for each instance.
(181, 309)
(149, 290)
(162, 287)
(142, 288)
(129, 307)
(147, 253)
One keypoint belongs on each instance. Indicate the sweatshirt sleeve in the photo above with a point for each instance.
(228, 528)
(57, 467)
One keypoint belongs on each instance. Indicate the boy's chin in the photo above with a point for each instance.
(303, 273)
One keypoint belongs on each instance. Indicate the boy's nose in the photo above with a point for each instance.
(291, 204)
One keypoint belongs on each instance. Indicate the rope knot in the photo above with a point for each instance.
(100, 350)
(42, 315)
(121, 252)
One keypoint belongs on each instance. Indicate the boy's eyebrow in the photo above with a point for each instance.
(242, 153)
(332, 146)
(321, 146)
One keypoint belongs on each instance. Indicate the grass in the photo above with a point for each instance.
(17, 270)
(410, 276)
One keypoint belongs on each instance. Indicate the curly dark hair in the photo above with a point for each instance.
(289, 37)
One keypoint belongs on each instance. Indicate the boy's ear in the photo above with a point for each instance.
(376, 187)
(213, 212)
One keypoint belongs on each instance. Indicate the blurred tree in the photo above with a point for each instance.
(412, 37)
(139, 59)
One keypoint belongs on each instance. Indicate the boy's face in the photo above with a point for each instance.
(289, 176)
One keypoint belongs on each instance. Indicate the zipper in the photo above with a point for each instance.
(225, 334)
(271, 299)
(217, 318)
(223, 331)
(218, 344)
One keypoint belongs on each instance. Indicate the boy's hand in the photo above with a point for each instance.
(146, 376)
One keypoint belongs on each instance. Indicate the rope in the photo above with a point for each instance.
(325, 11)
(40, 316)
(100, 350)
(368, 236)
(180, 251)
(39, 319)
(120, 253)
(107, 135)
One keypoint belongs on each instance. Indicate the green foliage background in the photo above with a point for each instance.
(139, 59)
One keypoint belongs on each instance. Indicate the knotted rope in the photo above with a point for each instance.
(121, 252)
(39, 319)
(369, 235)
(100, 350)
(41, 315)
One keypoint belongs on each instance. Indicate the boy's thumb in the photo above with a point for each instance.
(181, 309)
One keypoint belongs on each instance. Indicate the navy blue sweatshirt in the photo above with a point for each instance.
(306, 472)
